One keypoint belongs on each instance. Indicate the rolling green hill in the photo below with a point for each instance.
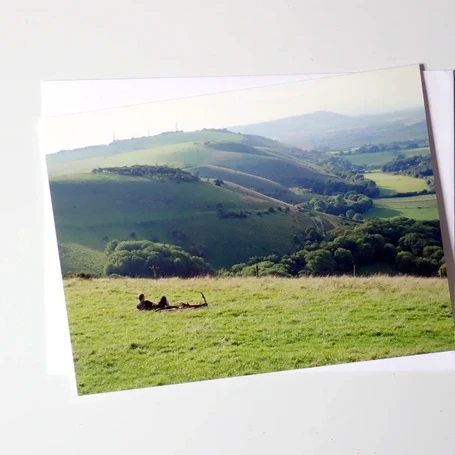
(250, 161)
(142, 143)
(91, 209)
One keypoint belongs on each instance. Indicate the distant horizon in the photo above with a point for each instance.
(367, 93)
(404, 109)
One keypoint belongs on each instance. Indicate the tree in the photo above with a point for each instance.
(350, 213)
(344, 260)
(111, 246)
(426, 266)
(141, 258)
(443, 271)
(319, 262)
(405, 262)
(389, 253)
(413, 242)
(357, 217)
(313, 234)
(433, 252)
(365, 253)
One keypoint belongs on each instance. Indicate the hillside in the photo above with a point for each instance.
(91, 209)
(212, 153)
(236, 200)
(333, 130)
(259, 184)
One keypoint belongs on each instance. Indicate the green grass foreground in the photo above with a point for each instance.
(252, 325)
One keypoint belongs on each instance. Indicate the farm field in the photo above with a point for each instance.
(415, 207)
(252, 325)
(383, 157)
(390, 184)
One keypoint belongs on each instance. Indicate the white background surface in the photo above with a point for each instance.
(314, 412)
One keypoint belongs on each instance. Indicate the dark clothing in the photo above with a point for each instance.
(146, 305)
(162, 304)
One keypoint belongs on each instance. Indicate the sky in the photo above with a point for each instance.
(81, 113)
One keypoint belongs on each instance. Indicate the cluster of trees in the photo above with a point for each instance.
(358, 183)
(340, 166)
(418, 166)
(223, 213)
(270, 210)
(351, 174)
(400, 245)
(165, 172)
(408, 194)
(144, 259)
(350, 205)
(393, 146)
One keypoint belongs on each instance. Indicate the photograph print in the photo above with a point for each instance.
(248, 231)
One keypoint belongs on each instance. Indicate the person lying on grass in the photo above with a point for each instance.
(163, 304)
(145, 305)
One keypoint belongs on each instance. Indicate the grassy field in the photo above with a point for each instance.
(251, 326)
(415, 207)
(390, 184)
(383, 157)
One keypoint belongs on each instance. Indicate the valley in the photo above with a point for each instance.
(238, 196)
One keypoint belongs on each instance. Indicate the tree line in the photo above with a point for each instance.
(166, 172)
(399, 246)
(418, 166)
(144, 258)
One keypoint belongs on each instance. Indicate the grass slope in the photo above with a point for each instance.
(90, 209)
(129, 145)
(251, 326)
(259, 184)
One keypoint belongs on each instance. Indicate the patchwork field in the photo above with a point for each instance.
(252, 325)
(416, 207)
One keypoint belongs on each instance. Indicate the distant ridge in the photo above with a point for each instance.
(331, 129)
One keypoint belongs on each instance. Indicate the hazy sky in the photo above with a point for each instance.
(105, 108)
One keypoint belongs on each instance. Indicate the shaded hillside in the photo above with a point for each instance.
(224, 225)
(259, 184)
